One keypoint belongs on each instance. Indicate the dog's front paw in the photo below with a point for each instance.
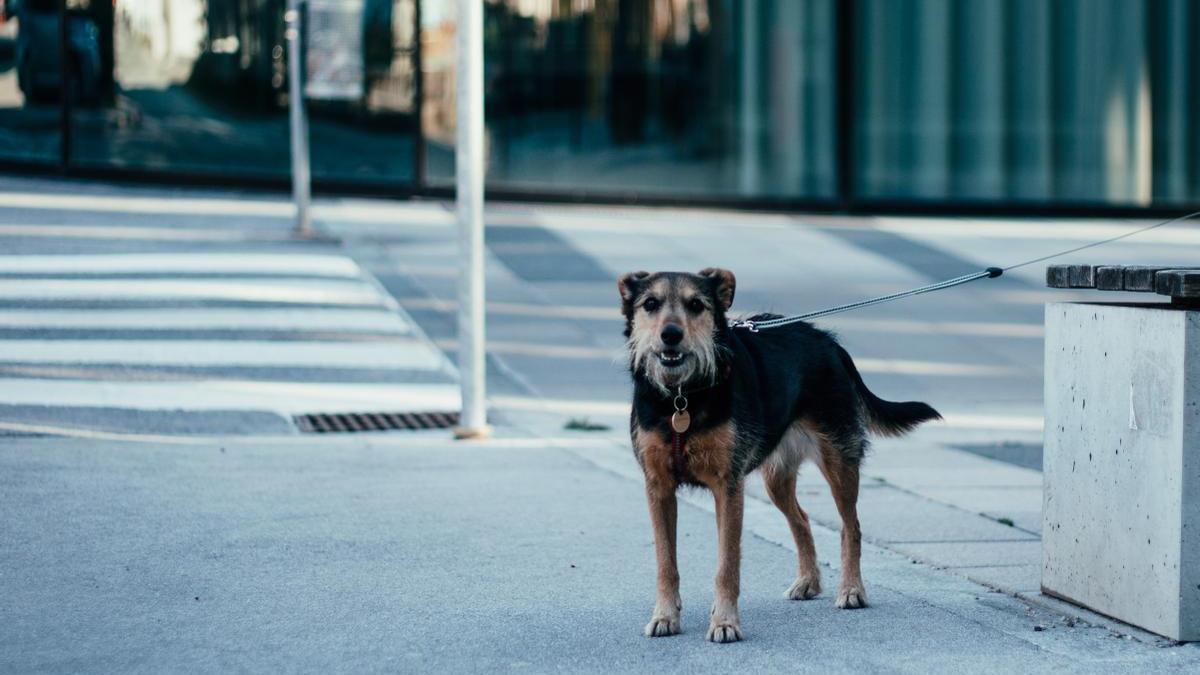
(851, 597)
(724, 631)
(662, 625)
(724, 624)
(804, 588)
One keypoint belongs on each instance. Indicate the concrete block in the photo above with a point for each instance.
(1121, 503)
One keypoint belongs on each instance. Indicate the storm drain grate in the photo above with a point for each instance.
(331, 423)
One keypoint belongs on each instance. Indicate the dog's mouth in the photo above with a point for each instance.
(671, 358)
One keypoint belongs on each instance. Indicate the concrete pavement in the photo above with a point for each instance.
(418, 554)
(975, 352)
(160, 542)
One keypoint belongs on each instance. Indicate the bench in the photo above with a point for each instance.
(1182, 284)
(1121, 477)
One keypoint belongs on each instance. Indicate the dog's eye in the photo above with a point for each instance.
(695, 306)
(651, 304)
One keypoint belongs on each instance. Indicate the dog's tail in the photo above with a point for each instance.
(887, 418)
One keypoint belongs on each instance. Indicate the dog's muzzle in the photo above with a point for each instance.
(671, 358)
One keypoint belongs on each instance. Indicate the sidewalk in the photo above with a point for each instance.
(978, 518)
(164, 514)
(157, 313)
(414, 553)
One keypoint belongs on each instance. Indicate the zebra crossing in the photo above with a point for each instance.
(124, 341)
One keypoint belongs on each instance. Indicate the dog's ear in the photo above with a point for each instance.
(724, 283)
(630, 284)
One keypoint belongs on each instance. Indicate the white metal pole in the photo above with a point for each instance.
(469, 168)
(298, 118)
(748, 105)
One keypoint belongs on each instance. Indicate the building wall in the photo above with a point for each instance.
(1004, 102)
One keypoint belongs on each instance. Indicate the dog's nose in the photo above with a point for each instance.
(671, 335)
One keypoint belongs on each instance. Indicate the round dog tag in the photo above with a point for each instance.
(680, 421)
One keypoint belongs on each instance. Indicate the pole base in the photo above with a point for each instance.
(473, 433)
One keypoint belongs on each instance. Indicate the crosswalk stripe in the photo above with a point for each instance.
(131, 233)
(295, 320)
(243, 344)
(292, 291)
(227, 263)
(175, 204)
(399, 354)
(285, 398)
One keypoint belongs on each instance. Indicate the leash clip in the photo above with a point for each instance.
(680, 407)
(681, 419)
(745, 323)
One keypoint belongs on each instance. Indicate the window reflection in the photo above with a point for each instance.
(31, 77)
(1001, 101)
(200, 86)
(658, 97)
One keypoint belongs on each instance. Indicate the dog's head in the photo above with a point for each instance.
(673, 324)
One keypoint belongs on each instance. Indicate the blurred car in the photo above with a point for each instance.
(39, 64)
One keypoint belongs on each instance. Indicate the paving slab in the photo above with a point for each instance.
(1013, 579)
(889, 515)
(979, 499)
(1022, 506)
(918, 465)
(974, 553)
(427, 555)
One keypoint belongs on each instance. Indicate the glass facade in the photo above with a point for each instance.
(687, 97)
(1063, 102)
(30, 76)
(200, 87)
(1028, 100)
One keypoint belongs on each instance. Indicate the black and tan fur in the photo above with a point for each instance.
(765, 400)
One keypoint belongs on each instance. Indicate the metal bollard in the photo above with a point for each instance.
(469, 167)
(298, 118)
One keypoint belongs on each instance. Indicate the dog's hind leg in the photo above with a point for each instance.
(840, 466)
(780, 481)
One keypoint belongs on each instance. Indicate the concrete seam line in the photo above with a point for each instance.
(93, 434)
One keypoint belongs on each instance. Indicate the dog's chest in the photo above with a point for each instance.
(698, 457)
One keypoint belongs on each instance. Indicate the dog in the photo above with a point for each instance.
(712, 403)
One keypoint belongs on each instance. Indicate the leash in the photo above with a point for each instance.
(681, 420)
(988, 273)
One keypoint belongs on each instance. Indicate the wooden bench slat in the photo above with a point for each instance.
(1082, 276)
(1178, 283)
(1058, 276)
(1140, 278)
(1110, 278)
